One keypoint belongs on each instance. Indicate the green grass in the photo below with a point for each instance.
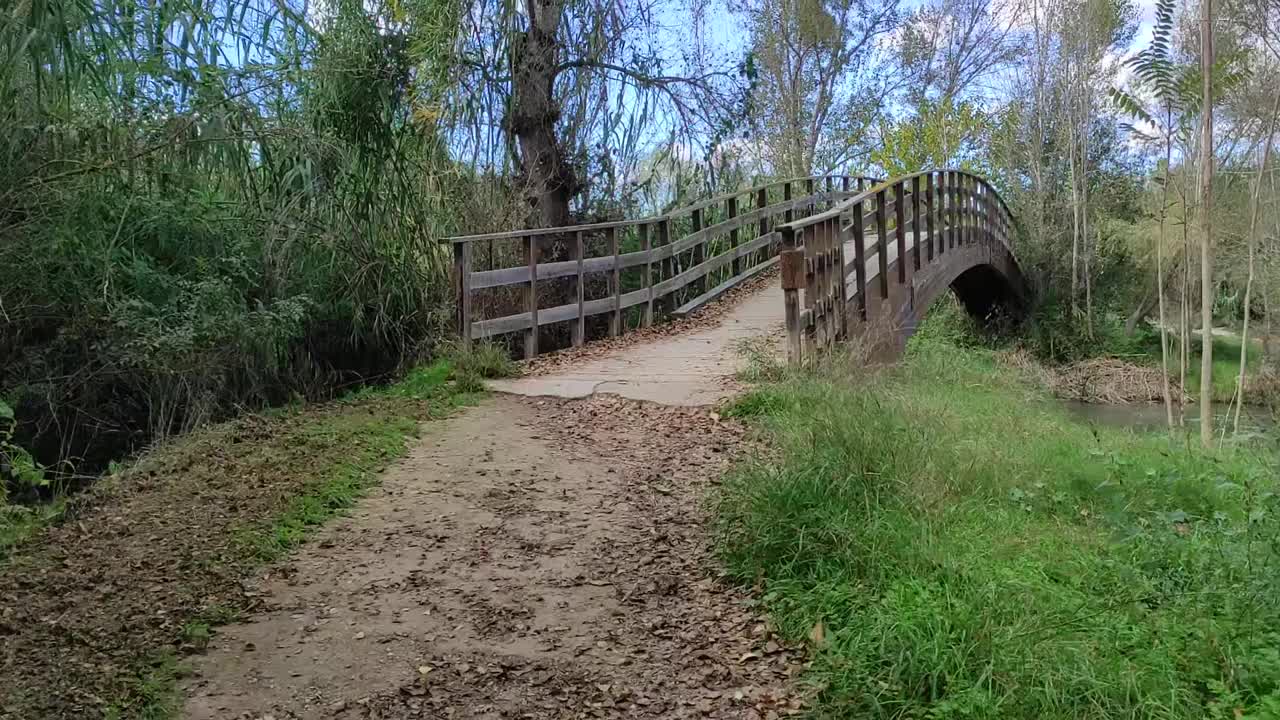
(971, 551)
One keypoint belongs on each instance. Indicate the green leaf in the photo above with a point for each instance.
(6, 412)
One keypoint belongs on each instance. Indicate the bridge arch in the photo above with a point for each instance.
(871, 266)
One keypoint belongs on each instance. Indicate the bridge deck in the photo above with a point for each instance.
(693, 368)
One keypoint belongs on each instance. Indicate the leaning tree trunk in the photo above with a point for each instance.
(1206, 224)
(549, 180)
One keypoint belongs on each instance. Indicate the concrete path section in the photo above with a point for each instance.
(695, 368)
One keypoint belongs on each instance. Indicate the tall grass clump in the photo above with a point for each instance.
(951, 544)
(212, 206)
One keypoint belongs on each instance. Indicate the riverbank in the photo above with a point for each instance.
(950, 542)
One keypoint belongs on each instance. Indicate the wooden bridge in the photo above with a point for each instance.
(859, 256)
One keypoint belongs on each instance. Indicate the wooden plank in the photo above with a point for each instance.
(462, 253)
(689, 276)
(531, 297)
(646, 244)
(762, 201)
(931, 208)
(547, 271)
(578, 331)
(724, 287)
(667, 268)
(860, 259)
(916, 230)
(699, 253)
(550, 316)
(882, 243)
(615, 284)
(792, 261)
(731, 209)
(900, 231)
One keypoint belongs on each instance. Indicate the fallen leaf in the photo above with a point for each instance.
(818, 634)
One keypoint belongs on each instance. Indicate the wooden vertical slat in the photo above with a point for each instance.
(860, 259)
(916, 233)
(953, 209)
(789, 214)
(699, 255)
(666, 269)
(842, 290)
(731, 210)
(762, 201)
(615, 284)
(792, 262)
(462, 252)
(579, 327)
(900, 230)
(646, 244)
(808, 241)
(808, 187)
(932, 212)
(531, 296)
(882, 243)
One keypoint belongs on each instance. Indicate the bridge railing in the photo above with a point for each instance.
(666, 265)
(893, 230)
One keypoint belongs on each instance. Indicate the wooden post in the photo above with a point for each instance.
(900, 229)
(668, 264)
(531, 297)
(646, 245)
(860, 259)
(731, 210)
(762, 202)
(792, 262)
(915, 223)
(462, 284)
(578, 329)
(615, 285)
(931, 201)
(882, 243)
(953, 207)
(699, 255)
(808, 188)
(789, 214)
(842, 289)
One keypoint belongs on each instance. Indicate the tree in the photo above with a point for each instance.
(1206, 224)
(557, 89)
(815, 94)
(949, 48)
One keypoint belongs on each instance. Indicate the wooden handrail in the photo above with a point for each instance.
(675, 214)
(945, 210)
(662, 271)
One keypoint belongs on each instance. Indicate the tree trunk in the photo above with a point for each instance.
(1075, 221)
(549, 180)
(1206, 225)
(1164, 334)
(1252, 240)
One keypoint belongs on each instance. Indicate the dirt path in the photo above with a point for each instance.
(535, 558)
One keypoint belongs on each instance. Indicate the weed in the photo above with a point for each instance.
(484, 360)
